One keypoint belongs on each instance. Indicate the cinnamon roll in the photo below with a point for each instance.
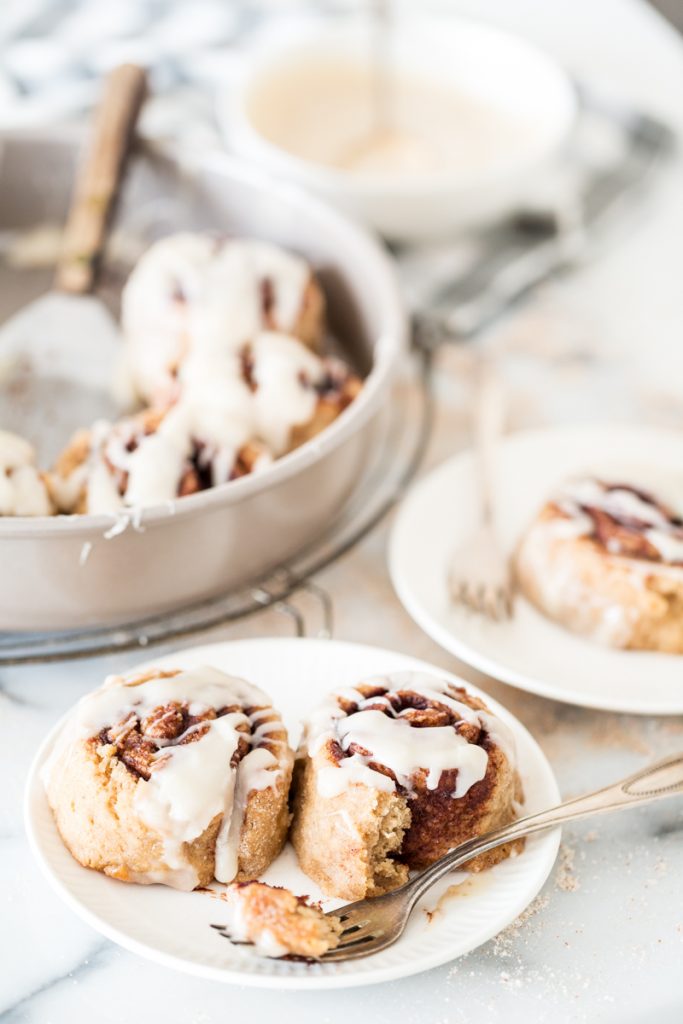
(23, 488)
(277, 922)
(263, 401)
(148, 459)
(176, 777)
(605, 559)
(394, 773)
(194, 294)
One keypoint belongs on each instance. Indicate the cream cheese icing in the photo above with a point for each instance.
(394, 743)
(217, 410)
(623, 505)
(191, 293)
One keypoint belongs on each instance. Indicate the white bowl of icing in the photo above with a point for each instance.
(476, 116)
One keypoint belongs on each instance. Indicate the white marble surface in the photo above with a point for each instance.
(605, 939)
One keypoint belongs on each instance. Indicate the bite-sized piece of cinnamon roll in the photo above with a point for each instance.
(176, 777)
(605, 559)
(229, 420)
(394, 773)
(23, 488)
(277, 922)
(198, 294)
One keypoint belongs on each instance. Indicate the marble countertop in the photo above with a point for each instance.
(603, 941)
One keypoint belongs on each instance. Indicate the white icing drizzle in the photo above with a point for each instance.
(394, 743)
(621, 504)
(22, 488)
(191, 783)
(285, 373)
(217, 410)
(191, 293)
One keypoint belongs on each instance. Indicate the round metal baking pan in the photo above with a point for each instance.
(61, 572)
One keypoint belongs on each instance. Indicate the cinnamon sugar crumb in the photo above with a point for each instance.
(504, 941)
(566, 879)
(609, 734)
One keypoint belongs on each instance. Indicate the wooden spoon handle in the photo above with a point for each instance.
(98, 180)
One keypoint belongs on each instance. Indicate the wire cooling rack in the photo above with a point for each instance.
(404, 429)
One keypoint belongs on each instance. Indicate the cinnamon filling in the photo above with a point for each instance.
(137, 741)
(421, 712)
(626, 534)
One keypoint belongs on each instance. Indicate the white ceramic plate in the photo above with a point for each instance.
(530, 651)
(173, 927)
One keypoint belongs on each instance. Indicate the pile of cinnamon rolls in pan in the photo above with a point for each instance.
(186, 777)
(223, 348)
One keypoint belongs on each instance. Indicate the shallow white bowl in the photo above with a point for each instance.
(489, 64)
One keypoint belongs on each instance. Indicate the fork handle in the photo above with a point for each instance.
(665, 778)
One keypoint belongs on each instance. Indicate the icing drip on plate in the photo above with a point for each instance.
(379, 732)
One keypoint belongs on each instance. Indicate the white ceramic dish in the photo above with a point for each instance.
(173, 928)
(61, 572)
(493, 66)
(530, 651)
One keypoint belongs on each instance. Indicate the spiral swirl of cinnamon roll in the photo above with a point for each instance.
(407, 766)
(605, 559)
(173, 777)
(624, 520)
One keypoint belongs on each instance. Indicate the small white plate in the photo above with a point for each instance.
(530, 651)
(173, 928)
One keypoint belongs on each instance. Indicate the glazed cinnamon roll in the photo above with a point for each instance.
(176, 777)
(23, 488)
(194, 294)
(605, 559)
(148, 459)
(259, 404)
(277, 922)
(394, 773)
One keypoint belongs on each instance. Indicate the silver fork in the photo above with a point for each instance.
(373, 924)
(480, 576)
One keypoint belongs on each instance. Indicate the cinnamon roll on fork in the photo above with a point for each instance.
(277, 922)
